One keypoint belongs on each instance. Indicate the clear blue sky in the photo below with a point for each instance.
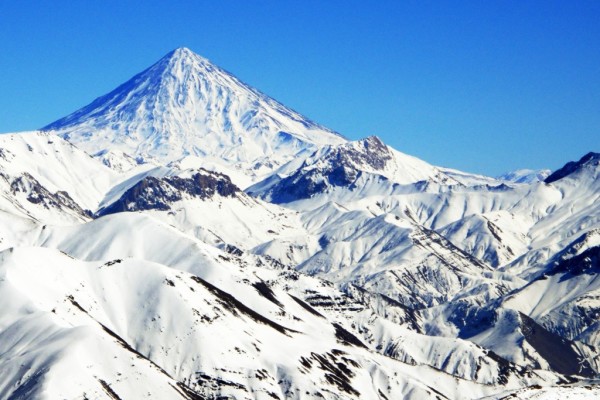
(483, 86)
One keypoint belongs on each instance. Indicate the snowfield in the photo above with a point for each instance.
(187, 237)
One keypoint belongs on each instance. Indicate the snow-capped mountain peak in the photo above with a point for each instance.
(185, 106)
(525, 176)
(344, 270)
(348, 166)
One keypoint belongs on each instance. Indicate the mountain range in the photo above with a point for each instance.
(186, 236)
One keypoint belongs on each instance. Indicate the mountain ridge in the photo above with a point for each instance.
(376, 275)
(590, 158)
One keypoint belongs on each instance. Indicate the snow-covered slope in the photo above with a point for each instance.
(168, 312)
(117, 160)
(589, 161)
(565, 299)
(364, 167)
(344, 270)
(46, 178)
(184, 106)
(400, 239)
(525, 175)
(576, 391)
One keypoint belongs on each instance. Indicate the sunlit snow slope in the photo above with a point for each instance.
(184, 107)
(187, 237)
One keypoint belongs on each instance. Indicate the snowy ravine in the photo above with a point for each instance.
(187, 237)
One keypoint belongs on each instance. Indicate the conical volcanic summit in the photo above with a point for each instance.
(185, 107)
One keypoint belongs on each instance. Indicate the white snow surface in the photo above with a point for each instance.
(186, 106)
(525, 175)
(133, 265)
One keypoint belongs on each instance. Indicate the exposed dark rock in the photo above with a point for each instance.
(307, 307)
(340, 167)
(234, 306)
(336, 303)
(375, 154)
(7, 155)
(346, 337)
(204, 184)
(148, 194)
(109, 391)
(386, 307)
(158, 194)
(572, 166)
(505, 368)
(297, 186)
(38, 194)
(113, 262)
(170, 282)
(336, 371)
(215, 383)
(233, 250)
(429, 236)
(188, 393)
(264, 289)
